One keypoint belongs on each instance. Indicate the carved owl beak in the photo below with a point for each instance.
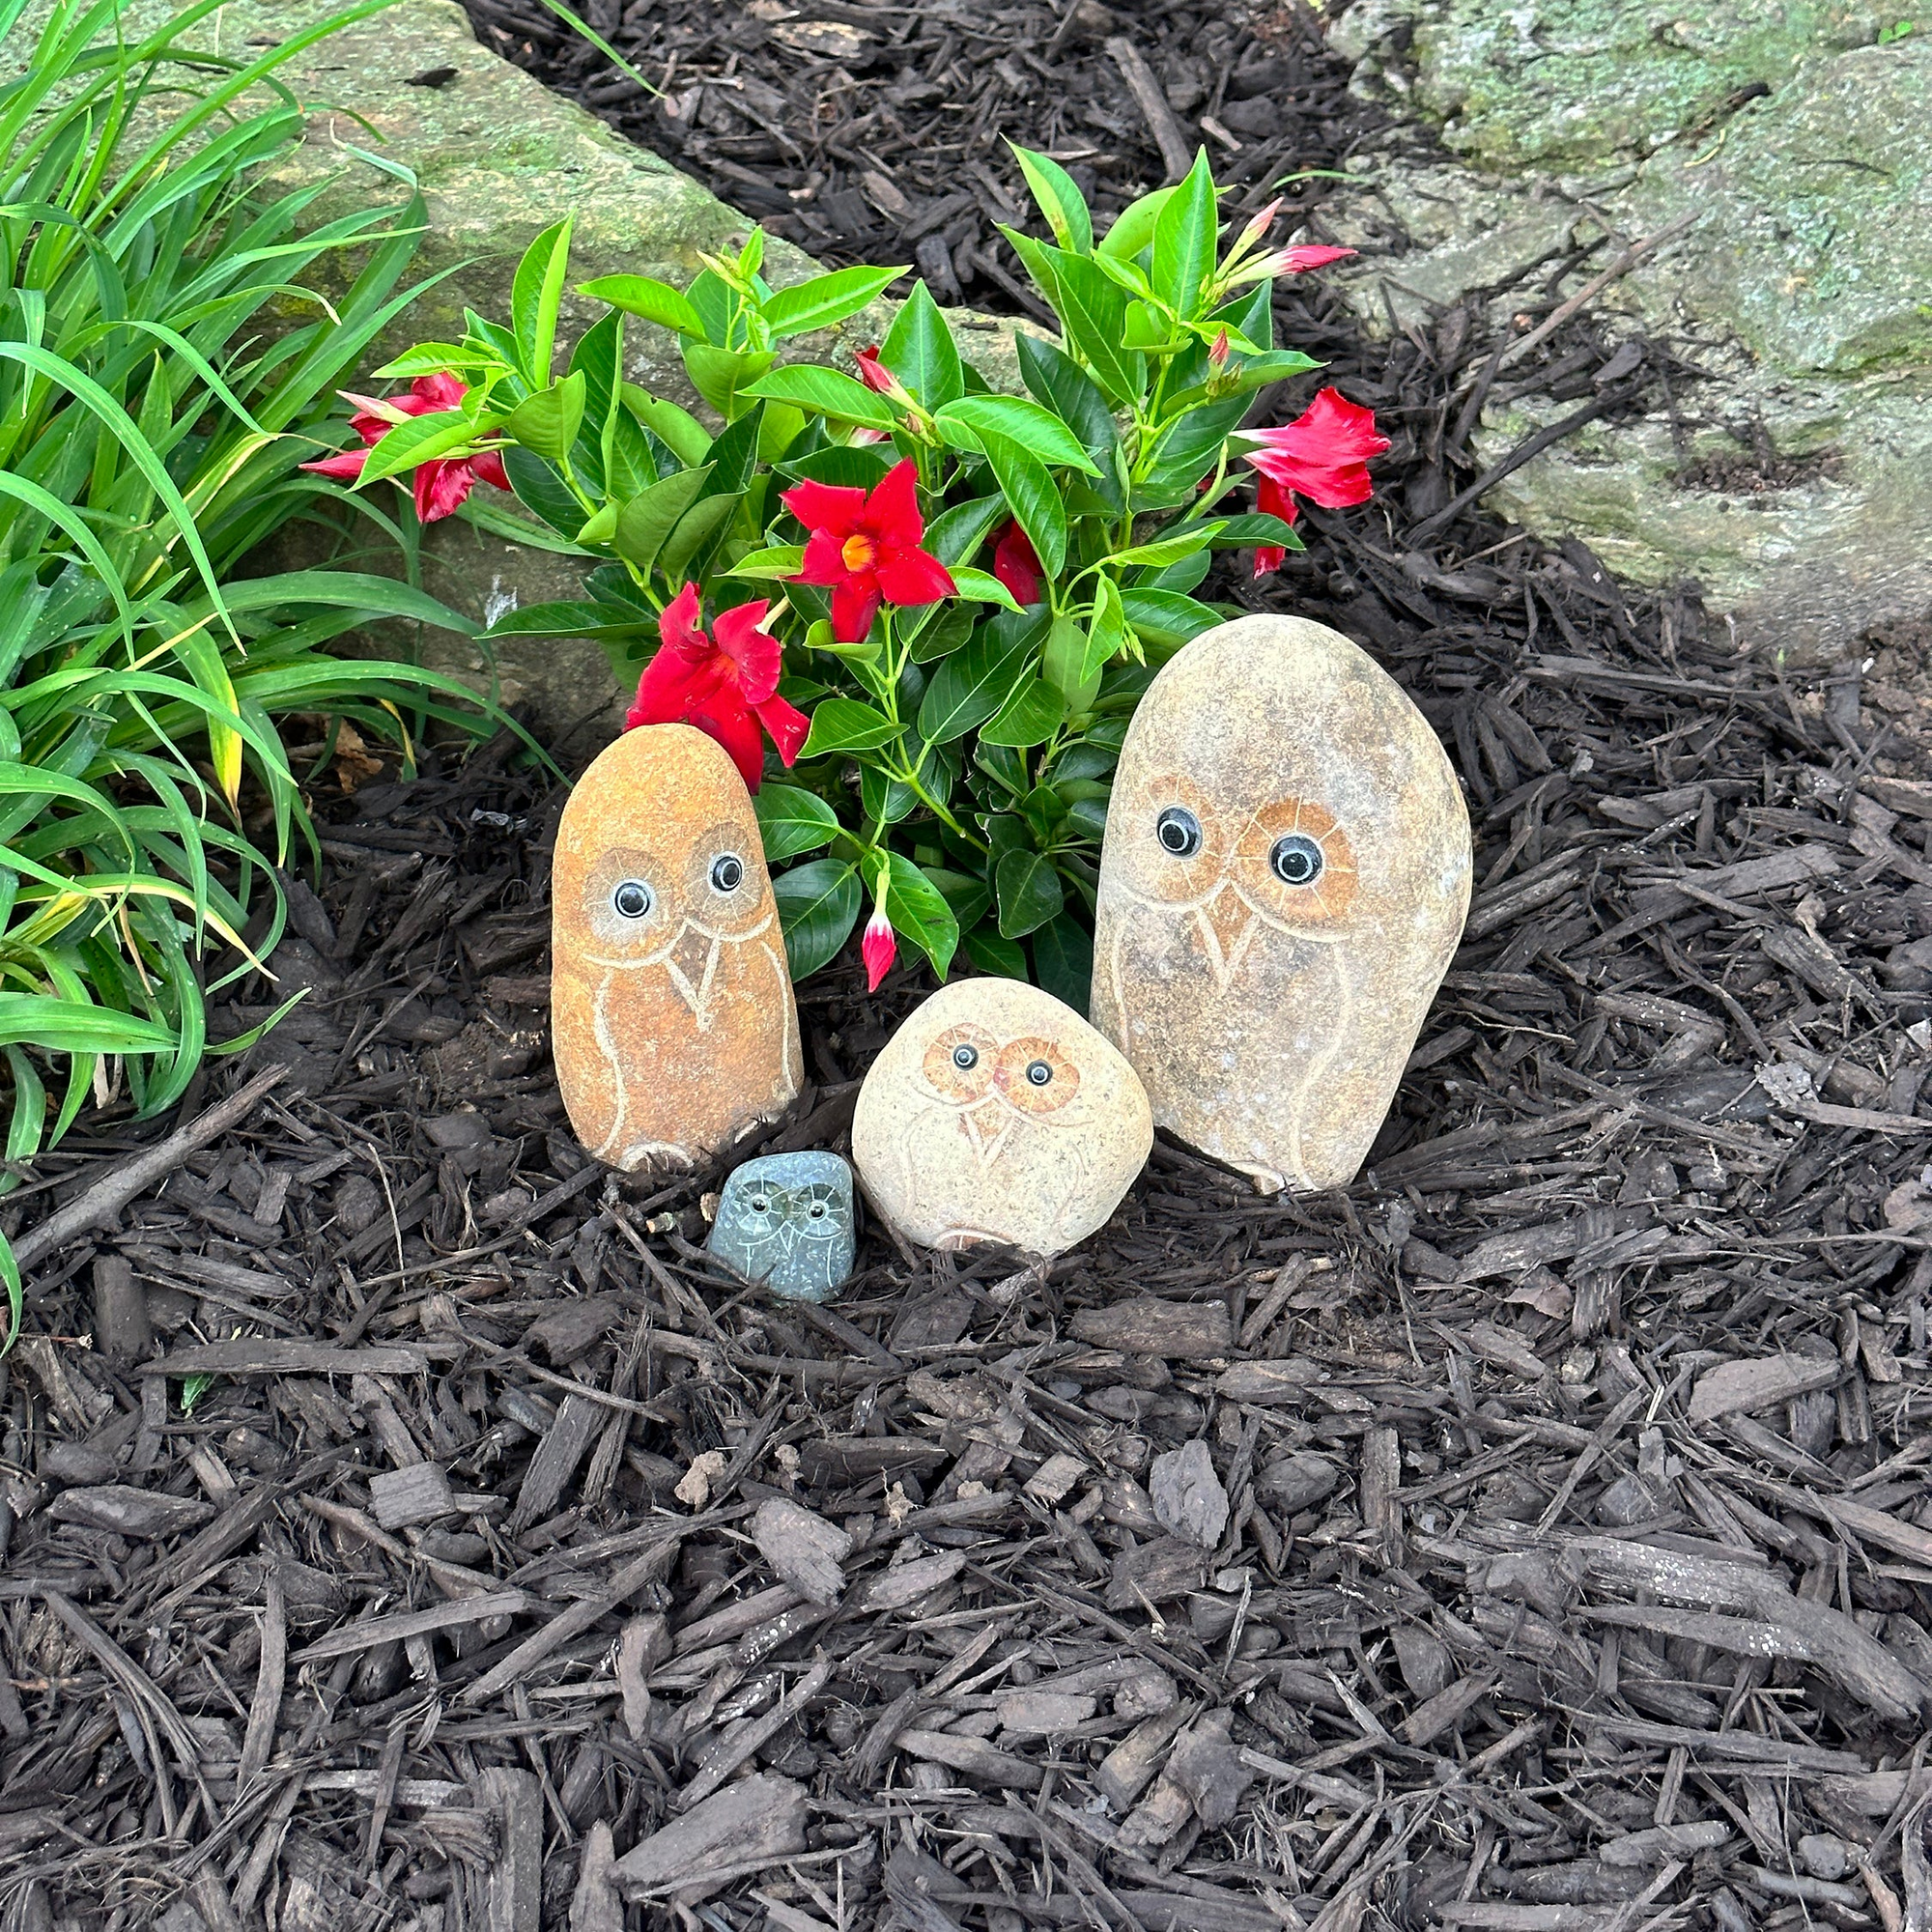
(690, 963)
(1225, 921)
(987, 1125)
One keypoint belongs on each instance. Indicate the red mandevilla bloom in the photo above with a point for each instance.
(1324, 455)
(865, 548)
(874, 374)
(728, 689)
(1299, 261)
(878, 947)
(1016, 564)
(442, 483)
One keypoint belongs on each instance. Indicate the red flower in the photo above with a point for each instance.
(1322, 455)
(866, 548)
(878, 947)
(442, 483)
(1016, 564)
(1311, 255)
(727, 688)
(874, 374)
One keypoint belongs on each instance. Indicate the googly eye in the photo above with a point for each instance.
(1295, 860)
(1037, 1073)
(965, 1058)
(633, 899)
(1179, 832)
(760, 1204)
(816, 1211)
(728, 872)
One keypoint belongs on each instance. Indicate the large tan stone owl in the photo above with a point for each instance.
(1283, 883)
(997, 1114)
(673, 1022)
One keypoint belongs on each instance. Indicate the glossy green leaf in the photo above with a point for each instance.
(571, 617)
(1062, 957)
(1006, 958)
(920, 351)
(1028, 891)
(1167, 548)
(536, 299)
(1165, 616)
(1133, 227)
(649, 516)
(547, 423)
(954, 534)
(1028, 489)
(642, 295)
(968, 423)
(681, 431)
(1030, 716)
(920, 914)
(1185, 235)
(421, 439)
(1065, 667)
(1075, 398)
(971, 684)
(825, 300)
(848, 724)
(721, 376)
(818, 905)
(981, 586)
(782, 560)
(792, 820)
(693, 531)
(825, 392)
(1060, 199)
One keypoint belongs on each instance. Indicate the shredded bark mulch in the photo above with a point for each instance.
(407, 1524)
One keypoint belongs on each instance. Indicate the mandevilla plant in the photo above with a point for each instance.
(812, 570)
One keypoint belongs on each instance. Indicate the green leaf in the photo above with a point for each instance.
(422, 439)
(539, 488)
(954, 534)
(1030, 491)
(570, 619)
(642, 295)
(435, 358)
(847, 725)
(687, 439)
(969, 897)
(973, 683)
(734, 456)
(1025, 423)
(1254, 528)
(1060, 199)
(1106, 632)
(1169, 548)
(1063, 955)
(1064, 665)
(981, 586)
(824, 392)
(1183, 239)
(920, 914)
(1096, 314)
(1075, 398)
(945, 629)
(720, 375)
(536, 297)
(1028, 717)
(1004, 957)
(549, 421)
(1166, 616)
(693, 530)
(782, 560)
(1133, 227)
(792, 820)
(825, 300)
(1028, 891)
(649, 516)
(920, 351)
(818, 906)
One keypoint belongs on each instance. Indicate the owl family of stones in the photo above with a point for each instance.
(673, 1025)
(997, 1114)
(1283, 884)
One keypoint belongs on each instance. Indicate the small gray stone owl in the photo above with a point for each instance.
(788, 1221)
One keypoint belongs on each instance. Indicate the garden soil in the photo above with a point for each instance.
(408, 1525)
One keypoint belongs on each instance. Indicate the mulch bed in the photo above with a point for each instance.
(1534, 1536)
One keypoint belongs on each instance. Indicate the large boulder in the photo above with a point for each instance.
(1787, 149)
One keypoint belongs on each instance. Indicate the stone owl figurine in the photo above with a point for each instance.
(673, 1022)
(1283, 884)
(786, 1221)
(997, 1114)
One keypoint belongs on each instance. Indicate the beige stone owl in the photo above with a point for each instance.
(997, 1114)
(1283, 884)
(673, 1021)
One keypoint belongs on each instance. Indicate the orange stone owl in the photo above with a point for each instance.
(673, 1021)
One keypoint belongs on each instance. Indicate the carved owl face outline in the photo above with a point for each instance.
(994, 1084)
(785, 1218)
(1286, 866)
(643, 908)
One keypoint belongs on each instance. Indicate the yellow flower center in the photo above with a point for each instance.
(860, 552)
